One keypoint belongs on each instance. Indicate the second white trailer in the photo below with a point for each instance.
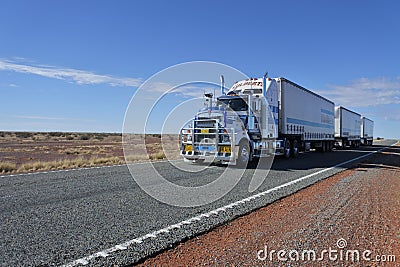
(347, 127)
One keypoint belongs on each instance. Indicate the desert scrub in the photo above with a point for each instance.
(158, 155)
(132, 158)
(68, 164)
(84, 137)
(112, 160)
(72, 151)
(7, 167)
(23, 135)
(81, 162)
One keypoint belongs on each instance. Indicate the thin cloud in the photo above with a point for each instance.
(67, 74)
(46, 118)
(366, 92)
(186, 90)
(392, 117)
(38, 117)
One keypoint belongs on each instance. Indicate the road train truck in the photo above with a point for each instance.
(347, 127)
(258, 117)
(367, 131)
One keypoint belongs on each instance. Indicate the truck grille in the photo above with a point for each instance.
(205, 138)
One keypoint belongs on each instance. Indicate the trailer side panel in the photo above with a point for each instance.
(304, 113)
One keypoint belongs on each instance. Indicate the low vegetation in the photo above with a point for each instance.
(7, 167)
(157, 156)
(59, 136)
(68, 164)
(39, 151)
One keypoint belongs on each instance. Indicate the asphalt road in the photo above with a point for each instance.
(73, 217)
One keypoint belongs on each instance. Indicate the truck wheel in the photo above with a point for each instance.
(244, 155)
(295, 149)
(287, 150)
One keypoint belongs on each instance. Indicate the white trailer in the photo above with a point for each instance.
(305, 118)
(347, 127)
(367, 131)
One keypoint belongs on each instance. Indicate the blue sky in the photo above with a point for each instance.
(74, 65)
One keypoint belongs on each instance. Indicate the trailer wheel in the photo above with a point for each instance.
(295, 149)
(287, 150)
(323, 148)
(244, 155)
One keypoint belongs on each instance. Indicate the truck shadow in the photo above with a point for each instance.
(387, 159)
(319, 160)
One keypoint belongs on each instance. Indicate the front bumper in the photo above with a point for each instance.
(208, 156)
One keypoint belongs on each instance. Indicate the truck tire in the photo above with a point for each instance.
(295, 149)
(244, 155)
(287, 150)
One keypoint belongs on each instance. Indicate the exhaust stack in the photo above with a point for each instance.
(264, 85)
(222, 85)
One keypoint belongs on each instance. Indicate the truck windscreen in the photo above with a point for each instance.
(236, 104)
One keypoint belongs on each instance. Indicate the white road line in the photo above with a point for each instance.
(85, 260)
(356, 151)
